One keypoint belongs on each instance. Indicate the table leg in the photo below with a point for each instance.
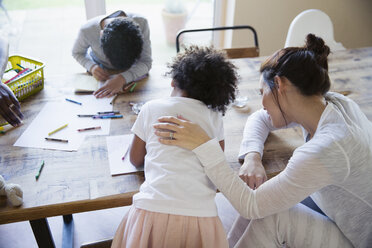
(42, 233)
(68, 231)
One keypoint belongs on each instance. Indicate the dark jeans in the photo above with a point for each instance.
(308, 202)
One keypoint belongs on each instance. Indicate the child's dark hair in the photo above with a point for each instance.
(205, 74)
(122, 42)
(306, 67)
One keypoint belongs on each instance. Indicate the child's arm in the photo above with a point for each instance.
(222, 144)
(79, 51)
(137, 151)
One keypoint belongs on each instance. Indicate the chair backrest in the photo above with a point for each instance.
(232, 53)
(312, 21)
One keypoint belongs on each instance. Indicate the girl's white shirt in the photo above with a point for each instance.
(175, 181)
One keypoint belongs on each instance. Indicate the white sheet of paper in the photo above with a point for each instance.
(91, 105)
(85, 83)
(57, 114)
(116, 148)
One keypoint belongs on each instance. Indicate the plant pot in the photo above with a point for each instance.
(173, 22)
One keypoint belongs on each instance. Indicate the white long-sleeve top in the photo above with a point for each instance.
(87, 48)
(334, 167)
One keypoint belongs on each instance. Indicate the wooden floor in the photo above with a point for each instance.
(48, 35)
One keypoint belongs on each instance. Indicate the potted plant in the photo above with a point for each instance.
(174, 18)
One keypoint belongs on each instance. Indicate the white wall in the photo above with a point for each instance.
(352, 20)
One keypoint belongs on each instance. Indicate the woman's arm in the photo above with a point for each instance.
(137, 151)
(302, 176)
(255, 133)
(256, 130)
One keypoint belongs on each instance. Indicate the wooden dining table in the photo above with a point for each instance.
(74, 182)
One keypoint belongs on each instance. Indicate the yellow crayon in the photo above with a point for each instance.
(58, 129)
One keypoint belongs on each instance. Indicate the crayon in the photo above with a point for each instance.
(58, 129)
(89, 128)
(128, 86)
(69, 100)
(125, 154)
(109, 112)
(21, 66)
(40, 169)
(58, 140)
(132, 88)
(19, 74)
(108, 117)
(101, 115)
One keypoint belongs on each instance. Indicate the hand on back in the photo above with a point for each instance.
(180, 132)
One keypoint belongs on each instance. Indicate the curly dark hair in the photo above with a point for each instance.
(122, 42)
(205, 74)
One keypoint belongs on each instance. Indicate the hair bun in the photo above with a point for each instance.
(317, 45)
(321, 51)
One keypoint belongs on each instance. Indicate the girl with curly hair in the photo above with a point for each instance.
(175, 206)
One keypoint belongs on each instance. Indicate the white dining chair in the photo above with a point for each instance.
(312, 21)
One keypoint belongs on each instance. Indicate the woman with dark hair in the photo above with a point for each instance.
(333, 167)
(175, 205)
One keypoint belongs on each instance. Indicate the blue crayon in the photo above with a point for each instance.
(110, 116)
(69, 100)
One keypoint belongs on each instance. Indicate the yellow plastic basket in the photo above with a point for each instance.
(30, 82)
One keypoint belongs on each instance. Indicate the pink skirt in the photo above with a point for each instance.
(141, 228)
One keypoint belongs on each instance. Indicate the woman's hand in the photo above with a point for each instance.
(98, 73)
(180, 132)
(10, 108)
(111, 87)
(252, 171)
